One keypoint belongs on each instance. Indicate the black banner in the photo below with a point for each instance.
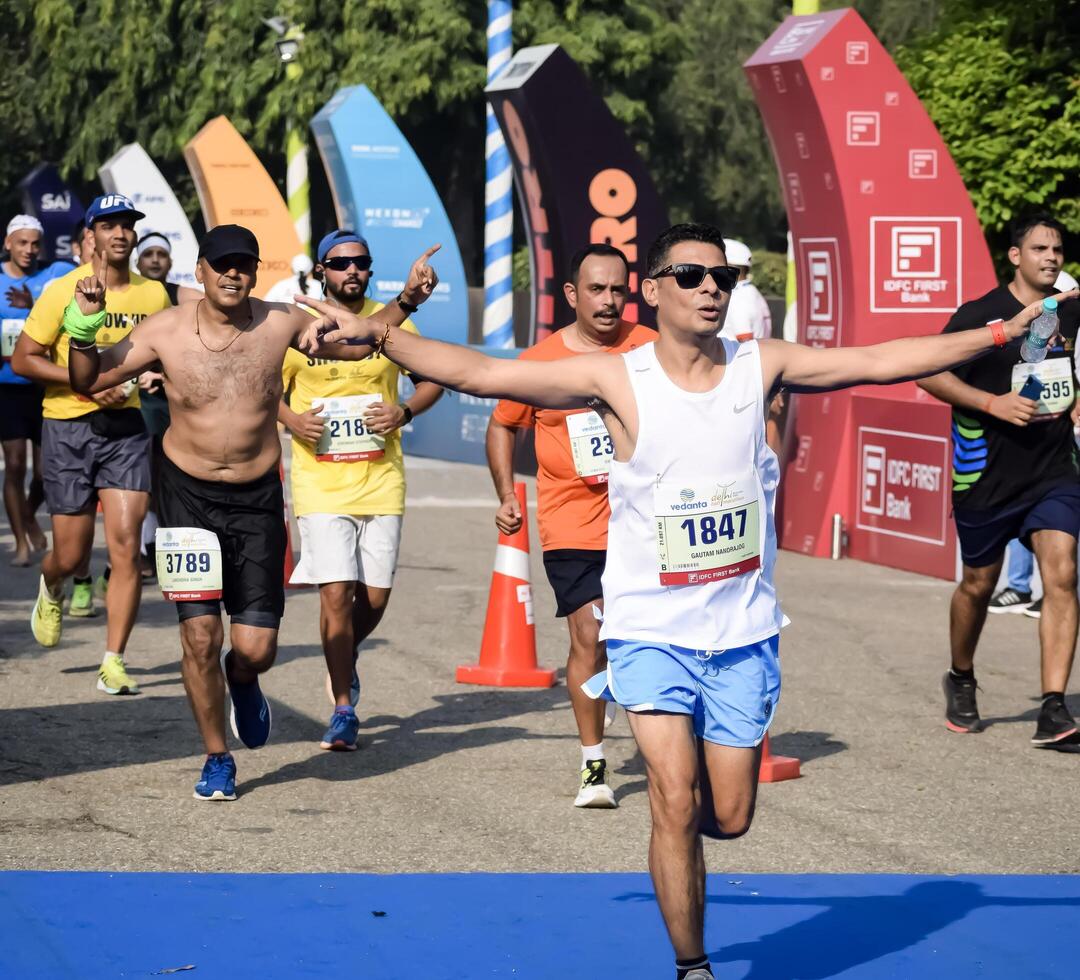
(578, 177)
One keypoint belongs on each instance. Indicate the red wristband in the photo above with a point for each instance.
(997, 329)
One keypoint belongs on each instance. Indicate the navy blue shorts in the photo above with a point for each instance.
(983, 536)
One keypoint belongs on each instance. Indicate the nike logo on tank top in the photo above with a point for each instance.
(692, 540)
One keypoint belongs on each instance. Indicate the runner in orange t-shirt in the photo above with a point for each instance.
(573, 450)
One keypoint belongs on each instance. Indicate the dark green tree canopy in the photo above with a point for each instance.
(86, 76)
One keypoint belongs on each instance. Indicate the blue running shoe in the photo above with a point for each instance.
(218, 778)
(343, 732)
(250, 711)
(354, 686)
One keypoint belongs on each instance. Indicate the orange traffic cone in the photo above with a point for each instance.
(776, 768)
(508, 649)
(290, 559)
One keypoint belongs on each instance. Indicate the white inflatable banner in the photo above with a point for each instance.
(132, 172)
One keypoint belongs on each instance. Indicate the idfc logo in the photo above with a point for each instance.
(613, 194)
(56, 202)
(915, 265)
(819, 263)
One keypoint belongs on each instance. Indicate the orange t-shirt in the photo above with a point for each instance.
(571, 512)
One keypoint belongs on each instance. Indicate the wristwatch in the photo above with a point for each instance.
(407, 307)
(408, 413)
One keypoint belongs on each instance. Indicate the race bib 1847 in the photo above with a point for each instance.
(9, 334)
(1058, 387)
(707, 530)
(188, 563)
(590, 445)
(346, 438)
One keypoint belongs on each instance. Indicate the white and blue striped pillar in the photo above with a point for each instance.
(498, 197)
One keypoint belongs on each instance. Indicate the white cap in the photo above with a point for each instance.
(737, 253)
(25, 222)
(302, 264)
(1064, 282)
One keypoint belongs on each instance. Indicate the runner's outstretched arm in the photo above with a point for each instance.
(807, 369)
(419, 286)
(548, 384)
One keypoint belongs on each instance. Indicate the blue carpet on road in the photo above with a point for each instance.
(759, 927)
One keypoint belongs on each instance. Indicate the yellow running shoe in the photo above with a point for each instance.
(113, 676)
(47, 619)
(82, 600)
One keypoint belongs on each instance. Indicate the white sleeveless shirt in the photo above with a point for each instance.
(691, 541)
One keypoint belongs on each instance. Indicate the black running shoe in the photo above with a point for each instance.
(1009, 601)
(961, 709)
(1056, 728)
(1034, 610)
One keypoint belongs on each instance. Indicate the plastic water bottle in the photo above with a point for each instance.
(1042, 328)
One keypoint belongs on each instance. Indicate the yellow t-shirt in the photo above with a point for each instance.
(361, 487)
(123, 309)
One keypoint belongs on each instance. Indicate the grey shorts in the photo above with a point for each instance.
(76, 462)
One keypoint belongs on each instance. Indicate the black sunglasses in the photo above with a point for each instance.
(339, 263)
(692, 275)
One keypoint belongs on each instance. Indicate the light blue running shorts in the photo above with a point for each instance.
(731, 694)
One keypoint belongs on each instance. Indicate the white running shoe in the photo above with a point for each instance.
(595, 794)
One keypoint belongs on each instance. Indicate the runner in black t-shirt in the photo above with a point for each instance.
(1016, 475)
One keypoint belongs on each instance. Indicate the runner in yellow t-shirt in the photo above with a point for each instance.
(93, 448)
(348, 479)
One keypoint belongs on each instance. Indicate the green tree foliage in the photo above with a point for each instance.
(1005, 94)
(84, 77)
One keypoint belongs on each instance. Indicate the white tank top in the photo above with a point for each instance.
(691, 541)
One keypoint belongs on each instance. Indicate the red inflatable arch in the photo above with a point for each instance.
(887, 244)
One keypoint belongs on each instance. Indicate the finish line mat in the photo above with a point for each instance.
(758, 927)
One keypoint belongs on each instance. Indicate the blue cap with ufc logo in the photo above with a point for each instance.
(110, 205)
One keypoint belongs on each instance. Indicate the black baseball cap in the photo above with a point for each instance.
(228, 240)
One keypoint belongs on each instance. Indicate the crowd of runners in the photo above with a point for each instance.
(657, 478)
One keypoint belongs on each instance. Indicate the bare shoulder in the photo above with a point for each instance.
(162, 329)
(163, 321)
(282, 316)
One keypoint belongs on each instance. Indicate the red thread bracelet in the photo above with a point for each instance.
(997, 329)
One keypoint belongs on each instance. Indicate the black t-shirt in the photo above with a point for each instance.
(996, 464)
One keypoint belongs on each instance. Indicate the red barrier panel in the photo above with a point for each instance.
(887, 244)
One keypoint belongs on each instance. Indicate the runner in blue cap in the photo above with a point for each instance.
(348, 480)
(94, 448)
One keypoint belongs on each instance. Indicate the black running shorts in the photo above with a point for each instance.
(984, 536)
(574, 575)
(249, 521)
(20, 412)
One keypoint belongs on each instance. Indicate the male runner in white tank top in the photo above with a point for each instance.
(690, 618)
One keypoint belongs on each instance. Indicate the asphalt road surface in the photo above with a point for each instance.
(455, 778)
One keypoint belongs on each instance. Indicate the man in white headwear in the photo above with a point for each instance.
(748, 314)
(300, 282)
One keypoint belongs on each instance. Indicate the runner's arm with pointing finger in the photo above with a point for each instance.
(801, 368)
(88, 371)
(419, 286)
(563, 384)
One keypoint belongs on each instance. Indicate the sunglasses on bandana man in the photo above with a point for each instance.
(692, 275)
(339, 263)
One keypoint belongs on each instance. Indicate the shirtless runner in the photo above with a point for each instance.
(222, 512)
